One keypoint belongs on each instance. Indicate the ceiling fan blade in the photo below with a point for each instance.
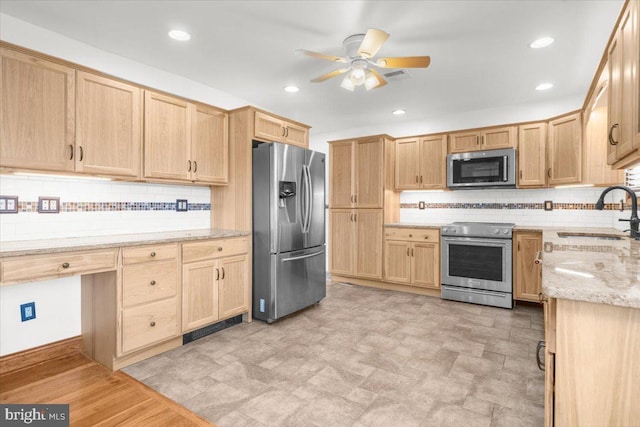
(404, 62)
(381, 80)
(372, 43)
(330, 75)
(321, 55)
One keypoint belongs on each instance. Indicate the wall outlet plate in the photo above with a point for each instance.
(8, 204)
(48, 204)
(421, 205)
(28, 311)
(548, 205)
(182, 205)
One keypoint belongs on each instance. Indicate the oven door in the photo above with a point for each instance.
(478, 263)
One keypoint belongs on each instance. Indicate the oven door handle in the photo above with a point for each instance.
(486, 242)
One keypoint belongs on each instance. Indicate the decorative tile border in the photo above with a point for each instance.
(527, 206)
(114, 206)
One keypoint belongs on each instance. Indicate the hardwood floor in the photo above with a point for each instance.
(96, 396)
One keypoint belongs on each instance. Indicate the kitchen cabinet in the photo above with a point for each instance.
(357, 173)
(532, 139)
(270, 128)
(420, 162)
(412, 256)
(527, 275)
(37, 106)
(215, 283)
(108, 126)
(150, 304)
(483, 139)
(564, 150)
(623, 109)
(356, 242)
(184, 141)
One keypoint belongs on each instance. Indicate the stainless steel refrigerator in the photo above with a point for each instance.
(289, 263)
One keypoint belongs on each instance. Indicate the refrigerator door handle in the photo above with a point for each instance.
(296, 258)
(310, 198)
(306, 213)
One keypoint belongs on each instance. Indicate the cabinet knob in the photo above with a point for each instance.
(219, 248)
(152, 254)
(426, 237)
(65, 265)
(410, 235)
(153, 283)
(152, 324)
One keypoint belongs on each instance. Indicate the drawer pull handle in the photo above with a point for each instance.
(152, 324)
(65, 265)
(153, 254)
(153, 283)
(222, 273)
(219, 248)
(217, 274)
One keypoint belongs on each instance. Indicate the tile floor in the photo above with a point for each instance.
(363, 357)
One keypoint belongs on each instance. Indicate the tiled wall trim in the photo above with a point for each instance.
(115, 206)
(562, 206)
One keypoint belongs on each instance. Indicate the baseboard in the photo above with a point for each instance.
(36, 355)
(387, 285)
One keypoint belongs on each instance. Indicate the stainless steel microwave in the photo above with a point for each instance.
(482, 169)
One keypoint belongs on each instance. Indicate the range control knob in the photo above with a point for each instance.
(496, 231)
(445, 230)
(505, 231)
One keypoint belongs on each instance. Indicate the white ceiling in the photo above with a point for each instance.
(479, 50)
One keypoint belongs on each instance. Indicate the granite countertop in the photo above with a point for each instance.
(421, 225)
(35, 247)
(590, 269)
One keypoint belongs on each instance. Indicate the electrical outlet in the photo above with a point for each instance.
(28, 311)
(182, 205)
(548, 205)
(48, 204)
(8, 204)
(421, 205)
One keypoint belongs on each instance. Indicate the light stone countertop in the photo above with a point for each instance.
(421, 225)
(47, 246)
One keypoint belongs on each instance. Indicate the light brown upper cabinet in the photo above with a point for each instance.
(420, 162)
(184, 141)
(108, 126)
(37, 107)
(564, 150)
(483, 139)
(357, 171)
(624, 84)
(273, 129)
(531, 155)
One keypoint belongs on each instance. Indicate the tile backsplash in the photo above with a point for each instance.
(572, 207)
(96, 207)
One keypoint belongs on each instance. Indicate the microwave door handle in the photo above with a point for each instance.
(504, 167)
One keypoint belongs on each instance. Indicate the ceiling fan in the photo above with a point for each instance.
(361, 50)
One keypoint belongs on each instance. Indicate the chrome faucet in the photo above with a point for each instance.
(634, 221)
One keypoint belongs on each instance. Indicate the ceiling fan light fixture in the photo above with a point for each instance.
(347, 83)
(357, 76)
(371, 81)
(180, 35)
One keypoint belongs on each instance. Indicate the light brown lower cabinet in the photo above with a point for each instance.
(412, 257)
(527, 275)
(215, 282)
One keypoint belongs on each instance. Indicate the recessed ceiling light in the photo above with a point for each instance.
(399, 112)
(544, 86)
(180, 35)
(541, 42)
(291, 89)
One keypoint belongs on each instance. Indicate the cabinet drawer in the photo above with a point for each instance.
(71, 263)
(412, 234)
(149, 253)
(146, 283)
(200, 251)
(148, 324)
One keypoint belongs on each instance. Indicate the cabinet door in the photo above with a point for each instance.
(464, 141)
(296, 135)
(210, 145)
(167, 137)
(341, 189)
(425, 265)
(527, 274)
(493, 139)
(268, 128)
(397, 261)
(564, 151)
(108, 126)
(407, 164)
(433, 162)
(342, 241)
(369, 173)
(199, 294)
(531, 155)
(368, 243)
(37, 105)
(233, 286)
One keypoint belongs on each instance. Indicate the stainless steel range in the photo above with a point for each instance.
(477, 263)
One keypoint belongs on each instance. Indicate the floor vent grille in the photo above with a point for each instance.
(208, 330)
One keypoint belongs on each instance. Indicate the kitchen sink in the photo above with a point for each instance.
(600, 236)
